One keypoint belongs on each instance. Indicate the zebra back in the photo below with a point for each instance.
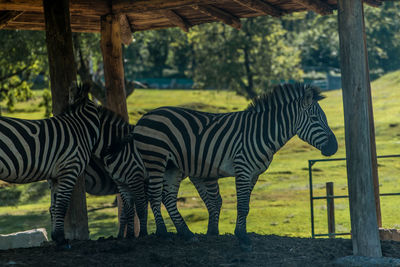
(33, 150)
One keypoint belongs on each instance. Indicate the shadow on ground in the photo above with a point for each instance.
(207, 251)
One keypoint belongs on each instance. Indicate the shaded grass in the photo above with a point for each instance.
(280, 201)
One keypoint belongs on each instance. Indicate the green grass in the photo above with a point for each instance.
(280, 201)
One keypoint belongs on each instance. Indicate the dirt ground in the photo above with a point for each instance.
(221, 251)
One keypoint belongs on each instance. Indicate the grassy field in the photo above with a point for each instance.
(280, 201)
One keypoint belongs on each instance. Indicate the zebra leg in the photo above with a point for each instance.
(155, 190)
(140, 205)
(127, 214)
(53, 189)
(244, 186)
(209, 193)
(63, 197)
(172, 181)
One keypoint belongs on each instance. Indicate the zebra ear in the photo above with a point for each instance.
(319, 97)
(307, 99)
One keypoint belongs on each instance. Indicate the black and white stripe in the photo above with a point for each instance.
(57, 149)
(98, 181)
(118, 163)
(175, 143)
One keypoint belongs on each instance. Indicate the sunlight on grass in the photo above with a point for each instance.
(280, 201)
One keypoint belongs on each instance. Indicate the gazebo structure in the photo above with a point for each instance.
(116, 20)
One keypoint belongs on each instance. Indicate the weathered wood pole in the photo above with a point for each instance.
(372, 142)
(355, 86)
(63, 78)
(330, 208)
(114, 73)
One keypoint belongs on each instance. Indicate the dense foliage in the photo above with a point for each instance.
(265, 51)
(22, 57)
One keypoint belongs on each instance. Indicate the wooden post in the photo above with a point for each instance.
(63, 78)
(114, 74)
(355, 80)
(372, 141)
(330, 205)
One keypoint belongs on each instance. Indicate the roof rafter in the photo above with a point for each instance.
(86, 7)
(129, 6)
(374, 3)
(220, 15)
(317, 6)
(176, 19)
(8, 16)
(260, 6)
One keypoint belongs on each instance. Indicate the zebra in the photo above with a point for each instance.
(98, 181)
(175, 143)
(119, 164)
(57, 149)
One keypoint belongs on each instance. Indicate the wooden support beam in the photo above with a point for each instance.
(260, 6)
(114, 74)
(126, 32)
(8, 16)
(176, 19)
(374, 159)
(220, 15)
(113, 64)
(317, 6)
(353, 61)
(63, 78)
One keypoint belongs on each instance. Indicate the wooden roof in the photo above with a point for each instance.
(139, 15)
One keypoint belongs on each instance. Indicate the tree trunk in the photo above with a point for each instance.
(114, 74)
(63, 78)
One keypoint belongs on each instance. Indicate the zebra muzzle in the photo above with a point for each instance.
(330, 147)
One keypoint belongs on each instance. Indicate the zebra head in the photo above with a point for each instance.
(312, 125)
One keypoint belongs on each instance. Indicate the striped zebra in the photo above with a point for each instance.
(115, 159)
(57, 149)
(176, 142)
(98, 181)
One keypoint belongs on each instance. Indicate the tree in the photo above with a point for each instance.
(247, 61)
(22, 57)
(383, 32)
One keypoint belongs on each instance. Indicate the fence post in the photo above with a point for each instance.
(330, 204)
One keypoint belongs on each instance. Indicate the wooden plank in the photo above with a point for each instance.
(220, 15)
(63, 78)
(262, 7)
(317, 6)
(364, 226)
(176, 19)
(84, 7)
(8, 16)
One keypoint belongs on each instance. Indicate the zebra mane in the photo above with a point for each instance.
(119, 144)
(81, 96)
(284, 93)
(106, 111)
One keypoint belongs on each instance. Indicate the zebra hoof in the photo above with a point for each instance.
(163, 235)
(212, 232)
(63, 246)
(187, 235)
(143, 233)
